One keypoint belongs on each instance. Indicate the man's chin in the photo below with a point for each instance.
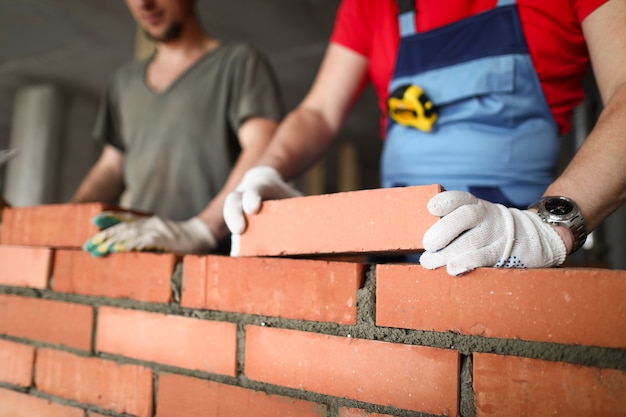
(172, 33)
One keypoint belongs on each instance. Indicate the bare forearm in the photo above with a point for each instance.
(254, 137)
(98, 188)
(301, 140)
(596, 178)
(104, 182)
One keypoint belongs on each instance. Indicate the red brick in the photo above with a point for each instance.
(120, 388)
(16, 404)
(46, 320)
(415, 378)
(210, 346)
(560, 305)
(134, 275)
(355, 412)
(92, 414)
(25, 267)
(16, 361)
(513, 386)
(288, 288)
(54, 225)
(380, 220)
(190, 397)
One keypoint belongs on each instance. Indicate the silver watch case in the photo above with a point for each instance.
(563, 211)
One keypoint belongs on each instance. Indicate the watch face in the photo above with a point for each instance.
(558, 207)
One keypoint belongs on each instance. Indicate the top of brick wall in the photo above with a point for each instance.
(51, 225)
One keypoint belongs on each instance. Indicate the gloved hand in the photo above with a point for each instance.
(474, 233)
(126, 232)
(258, 184)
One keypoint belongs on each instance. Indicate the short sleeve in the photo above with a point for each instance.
(352, 28)
(254, 89)
(106, 128)
(584, 8)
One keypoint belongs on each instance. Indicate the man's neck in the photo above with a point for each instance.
(174, 58)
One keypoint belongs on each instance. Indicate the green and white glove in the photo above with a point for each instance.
(258, 184)
(476, 233)
(124, 232)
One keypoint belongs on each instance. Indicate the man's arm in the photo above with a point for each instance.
(596, 179)
(254, 136)
(307, 132)
(104, 182)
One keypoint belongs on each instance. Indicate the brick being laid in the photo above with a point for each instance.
(367, 221)
(51, 225)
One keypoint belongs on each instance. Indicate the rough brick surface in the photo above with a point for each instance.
(190, 397)
(53, 225)
(209, 346)
(120, 388)
(288, 288)
(16, 363)
(46, 320)
(25, 267)
(136, 275)
(381, 220)
(409, 377)
(513, 386)
(355, 412)
(561, 305)
(16, 404)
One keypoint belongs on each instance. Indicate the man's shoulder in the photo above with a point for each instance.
(239, 50)
(131, 70)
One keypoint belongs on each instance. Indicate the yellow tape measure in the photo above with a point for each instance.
(410, 106)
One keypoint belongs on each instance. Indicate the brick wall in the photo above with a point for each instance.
(163, 335)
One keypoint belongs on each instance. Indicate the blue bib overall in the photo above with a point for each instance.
(494, 135)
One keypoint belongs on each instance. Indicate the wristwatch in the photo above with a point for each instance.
(563, 211)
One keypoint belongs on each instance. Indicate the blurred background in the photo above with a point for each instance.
(57, 55)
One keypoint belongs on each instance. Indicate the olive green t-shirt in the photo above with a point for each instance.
(180, 144)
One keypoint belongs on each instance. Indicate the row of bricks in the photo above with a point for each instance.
(356, 225)
(562, 305)
(421, 379)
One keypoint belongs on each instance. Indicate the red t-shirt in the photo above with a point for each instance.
(552, 28)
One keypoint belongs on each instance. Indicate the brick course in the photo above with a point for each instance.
(16, 363)
(305, 337)
(289, 288)
(172, 340)
(53, 225)
(135, 275)
(117, 387)
(46, 320)
(571, 306)
(25, 266)
(513, 386)
(415, 378)
(191, 397)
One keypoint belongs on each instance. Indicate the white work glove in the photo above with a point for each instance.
(258, 184)
(474, 233)
(126, 232)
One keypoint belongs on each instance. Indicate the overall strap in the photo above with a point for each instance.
(406, 18)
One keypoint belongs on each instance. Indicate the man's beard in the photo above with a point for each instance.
(171, 33)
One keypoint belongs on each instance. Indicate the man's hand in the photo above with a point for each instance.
(474, 233)
(126, 232)
(258, 184)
